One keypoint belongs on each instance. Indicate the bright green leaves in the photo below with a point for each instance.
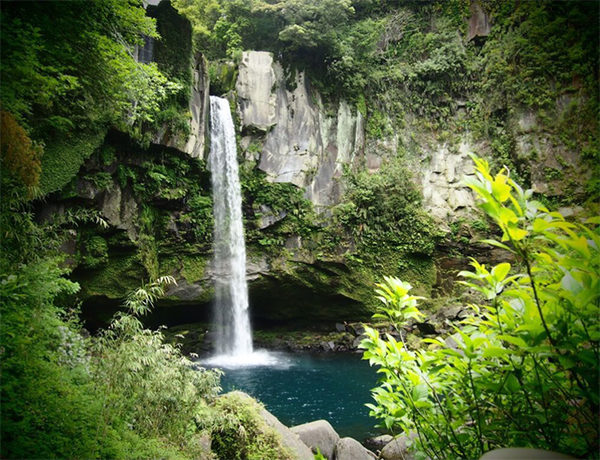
(500, 189)
(399, 306)
(509, 374)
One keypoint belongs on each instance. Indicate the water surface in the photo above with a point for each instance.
(300, 388)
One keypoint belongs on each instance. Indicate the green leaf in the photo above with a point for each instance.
(500, 271)
(495, 352)
(512, 383)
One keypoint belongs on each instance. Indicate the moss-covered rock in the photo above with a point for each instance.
(247, 431)
(122, 273)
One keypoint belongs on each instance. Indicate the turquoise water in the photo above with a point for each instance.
(301, 388)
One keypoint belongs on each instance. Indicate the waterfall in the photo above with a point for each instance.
(233, 332)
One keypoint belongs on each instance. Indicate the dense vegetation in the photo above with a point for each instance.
(523, 369)
(80, 118)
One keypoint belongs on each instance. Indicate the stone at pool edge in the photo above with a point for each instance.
(397, 448)
(377, 443)
(288, 438)
(351, 449)
(318, 434)
(521, 453)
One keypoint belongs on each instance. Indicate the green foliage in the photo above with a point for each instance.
(523, 370)
(126, 394)
(294, 211)
(62, 159)
(319, 455)
(537, 51)
(383, 212)
(72, 67)
(173, 56)
(241, 433)
(222, 75)
(95, 252)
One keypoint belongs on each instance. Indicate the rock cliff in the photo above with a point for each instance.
(305, 256)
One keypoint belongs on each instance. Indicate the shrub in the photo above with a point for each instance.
(523, 369)
(241, 433)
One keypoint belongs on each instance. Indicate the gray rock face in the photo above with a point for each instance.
(444, 194)
(479, 22)
(303, 144)
(185, 291)
(121, 210)
(397, 449)
(199, 109)
(318, 434)
(257, 101)
(198, 106)
(351, 449)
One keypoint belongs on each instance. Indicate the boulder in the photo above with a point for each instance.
(398, 448)
(378, 442)
(351, 449)
(513, 453)
(318, 434)
(288, 438)
(357, 340)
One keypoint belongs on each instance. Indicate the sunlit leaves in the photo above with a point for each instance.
(511, 373)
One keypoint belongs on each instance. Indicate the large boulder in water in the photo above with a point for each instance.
(351, 449)
(318, 435)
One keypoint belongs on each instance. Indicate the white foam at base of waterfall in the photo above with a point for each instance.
(253, 359)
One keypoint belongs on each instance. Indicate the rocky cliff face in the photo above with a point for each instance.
(157, 202)
(301, 142)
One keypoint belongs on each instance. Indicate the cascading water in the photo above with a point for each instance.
(233, 333)
(233, 344)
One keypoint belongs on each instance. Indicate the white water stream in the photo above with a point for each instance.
(233, 343)
(233, 332)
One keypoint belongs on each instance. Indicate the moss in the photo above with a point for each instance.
(243, 433)
(122, 274)
(223, 76)
(94, 252)
(193, 268)
(63, 159)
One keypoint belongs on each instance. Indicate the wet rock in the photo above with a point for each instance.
(378, 442)
(426, 328)
(318, 435)
(340, 327)
(357, 340)
(351, 449)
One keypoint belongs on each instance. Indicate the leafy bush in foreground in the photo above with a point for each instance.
(523, 369)
(126, 394)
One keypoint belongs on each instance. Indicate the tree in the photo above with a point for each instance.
(70, 66)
